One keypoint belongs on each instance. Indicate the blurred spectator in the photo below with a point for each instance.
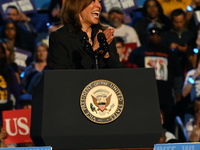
(34, 82)
(166, 136)
(193, 16)
(8, 85)
(195, 133)
(51, 28)
(120, 48)
(28, 144)
(10, 54)
(180, 39)
(194, 58)
(38, 65)
(191, 85)
(152, 11)
(128, 33)
(54, 11)
(54, 26)
(3, 136)
(18, 37)
(22, 19)
(25, 101)
(156, 55)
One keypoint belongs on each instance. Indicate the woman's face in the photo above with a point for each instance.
(152, 9)
(41, 53)
(91, 14)
(10, 31)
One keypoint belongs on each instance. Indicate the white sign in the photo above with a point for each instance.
(26, 6)
(124, 4)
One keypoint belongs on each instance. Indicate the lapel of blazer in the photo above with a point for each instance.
(86, 60)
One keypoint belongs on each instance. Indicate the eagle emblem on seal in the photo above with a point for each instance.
(101, 99)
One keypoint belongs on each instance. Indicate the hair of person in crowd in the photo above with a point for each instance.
(120, 46)
(12, 15)
(10, 53)
(5, 71)
(40, 44)
(177, 12)
(145, 6)
(6, 30)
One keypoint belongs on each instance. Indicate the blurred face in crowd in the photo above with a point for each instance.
(115, 19)
(120, 48)
(179, 22)
(25, 105)
(10, 31)
(197, 2)
(41, 53)
(12, 13)
(91, 14)
(152, 9)
(155, 37)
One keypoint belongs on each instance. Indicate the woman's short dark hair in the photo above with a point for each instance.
(71, 10)
(144, 10)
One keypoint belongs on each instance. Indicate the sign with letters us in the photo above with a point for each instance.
(17, 125)
(25, 6)
(125, 5)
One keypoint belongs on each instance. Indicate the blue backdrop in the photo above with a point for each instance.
(43, 4)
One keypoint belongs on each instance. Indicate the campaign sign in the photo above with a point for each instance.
(25, 6)
(29, 148)
(129, 47)
(21, 57)
(170, 5)
(17, 125)
(177, 146)
(125, 5)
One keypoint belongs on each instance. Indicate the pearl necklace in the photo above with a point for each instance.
(89, 39)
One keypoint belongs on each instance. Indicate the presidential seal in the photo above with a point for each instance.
(102, 101)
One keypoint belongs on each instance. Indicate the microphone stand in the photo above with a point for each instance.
(96, 60)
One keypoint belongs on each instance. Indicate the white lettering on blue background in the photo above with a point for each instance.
(165, 148)
(187, 147)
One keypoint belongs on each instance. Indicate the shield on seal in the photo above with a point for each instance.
(102, 106)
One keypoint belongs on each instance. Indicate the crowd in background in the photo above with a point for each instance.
(168, 43)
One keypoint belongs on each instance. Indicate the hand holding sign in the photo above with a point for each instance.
(17, 125)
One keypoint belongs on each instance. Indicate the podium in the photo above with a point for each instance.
(58, 119)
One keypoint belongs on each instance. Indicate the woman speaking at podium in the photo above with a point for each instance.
(82, 42)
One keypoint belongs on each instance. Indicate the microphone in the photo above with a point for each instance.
(85, 44)
(103, 43)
